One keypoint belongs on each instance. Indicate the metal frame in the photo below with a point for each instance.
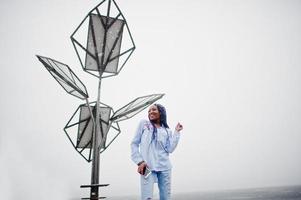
(149, 99)
(71, 83)
(102, 63)
(68, 125)
(105, 143)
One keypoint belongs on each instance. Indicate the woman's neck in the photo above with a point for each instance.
(157, 124)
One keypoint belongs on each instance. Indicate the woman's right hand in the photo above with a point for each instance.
(141, 168)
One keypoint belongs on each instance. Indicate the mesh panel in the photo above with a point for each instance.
(113, 43)
(55, 67)
(130, 114)
(85, 128)
(63, 70)
(91, 63)
(77, 94)
(79, 84)
(104, 116)
(65, 77)
(135, 107)
(67, 87)
(141, 101)
(48, 66)
(71, 130)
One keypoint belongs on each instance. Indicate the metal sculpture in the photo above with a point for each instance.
(102, 53)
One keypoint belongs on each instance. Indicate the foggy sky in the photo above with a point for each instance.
(230, 71)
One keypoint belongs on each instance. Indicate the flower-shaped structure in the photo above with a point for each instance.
(109, 43)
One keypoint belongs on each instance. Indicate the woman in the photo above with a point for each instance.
(151, 146)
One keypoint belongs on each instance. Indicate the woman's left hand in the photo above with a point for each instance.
(179, 127)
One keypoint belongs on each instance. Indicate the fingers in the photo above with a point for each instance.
(141, 168)
(140, 171)
(179, 127)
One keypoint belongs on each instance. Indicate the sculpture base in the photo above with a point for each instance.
(94, 191)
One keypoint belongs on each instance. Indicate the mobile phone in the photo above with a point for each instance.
(147, 172)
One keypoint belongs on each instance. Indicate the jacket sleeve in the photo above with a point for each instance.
(172, 140)
(135, 144)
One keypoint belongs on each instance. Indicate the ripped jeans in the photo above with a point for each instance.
(163, 178)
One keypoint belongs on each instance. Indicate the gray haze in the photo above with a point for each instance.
(230, 71)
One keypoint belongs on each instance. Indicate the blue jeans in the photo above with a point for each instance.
(163, 178)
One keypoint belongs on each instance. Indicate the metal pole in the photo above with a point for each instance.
(95, 145)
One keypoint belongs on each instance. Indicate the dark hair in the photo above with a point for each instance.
(163, 115)
(163, 120)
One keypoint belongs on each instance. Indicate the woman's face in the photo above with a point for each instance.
(154, 114)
